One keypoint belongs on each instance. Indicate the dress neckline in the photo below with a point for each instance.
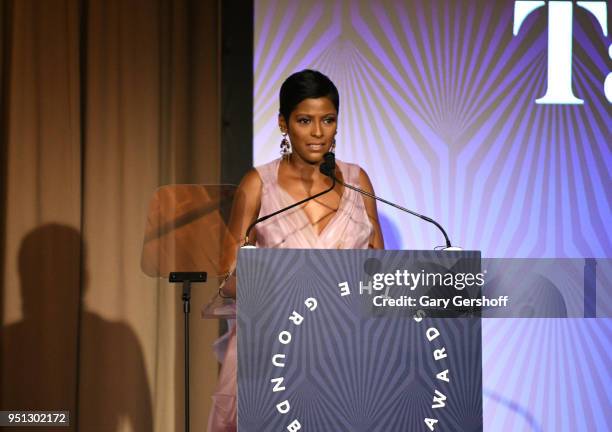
(301, 210)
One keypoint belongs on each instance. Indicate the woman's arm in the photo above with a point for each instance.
(245, 210)
(376, 240)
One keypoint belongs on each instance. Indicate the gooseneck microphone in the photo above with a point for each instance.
(327, 168)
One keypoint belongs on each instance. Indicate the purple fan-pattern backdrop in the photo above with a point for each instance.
(438, 105)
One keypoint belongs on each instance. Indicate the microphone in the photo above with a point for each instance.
(330, 161)
(327, 167)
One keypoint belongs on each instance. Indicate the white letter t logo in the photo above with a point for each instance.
(560, 29)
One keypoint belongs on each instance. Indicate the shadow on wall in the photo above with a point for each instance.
(54, 357)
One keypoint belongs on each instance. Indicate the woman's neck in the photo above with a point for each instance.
(303, 168)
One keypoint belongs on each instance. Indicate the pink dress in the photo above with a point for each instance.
(349, 228)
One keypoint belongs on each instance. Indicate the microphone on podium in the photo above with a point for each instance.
(325, 165)
(328, 168)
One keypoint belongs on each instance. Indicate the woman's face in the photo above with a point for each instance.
(311, 128)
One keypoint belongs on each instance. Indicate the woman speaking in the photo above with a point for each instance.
(339, 219)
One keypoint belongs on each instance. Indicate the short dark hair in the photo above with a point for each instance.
(306, 84)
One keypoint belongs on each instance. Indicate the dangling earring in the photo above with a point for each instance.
(333, 146)
(285, 146)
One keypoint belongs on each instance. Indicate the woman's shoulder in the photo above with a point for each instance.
(268, 171)
(259, 177)
(251, 182)
(352, 172)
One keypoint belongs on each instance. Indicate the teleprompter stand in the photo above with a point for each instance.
(186, 278)
(183, 240)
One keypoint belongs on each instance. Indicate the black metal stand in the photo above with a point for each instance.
(186, 278)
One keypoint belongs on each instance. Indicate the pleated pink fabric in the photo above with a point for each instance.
(349, 228)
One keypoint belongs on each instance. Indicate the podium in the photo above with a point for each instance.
(316, 353)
